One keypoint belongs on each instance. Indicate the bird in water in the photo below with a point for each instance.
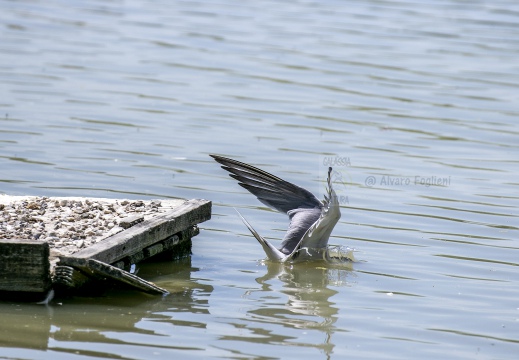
(311, 220)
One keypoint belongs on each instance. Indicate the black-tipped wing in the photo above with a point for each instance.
(269, 189)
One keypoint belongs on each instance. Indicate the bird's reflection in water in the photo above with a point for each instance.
(309, 289)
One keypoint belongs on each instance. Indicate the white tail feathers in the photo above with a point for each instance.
(272, 253)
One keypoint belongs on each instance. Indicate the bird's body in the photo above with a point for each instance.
(311, 220)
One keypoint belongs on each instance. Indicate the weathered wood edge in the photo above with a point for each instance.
(68, 275)
(131, 244)
(148, 232)
(24, 266)
(129, 247)
(102, 271)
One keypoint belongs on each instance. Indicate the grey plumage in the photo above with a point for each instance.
(311, 221)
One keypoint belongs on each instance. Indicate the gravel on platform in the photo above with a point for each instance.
(71, 224)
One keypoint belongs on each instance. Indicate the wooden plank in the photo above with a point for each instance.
(153, 250)
(24, 266)
(173, 247)
(147, 233)
(102, 271)
(69, 224)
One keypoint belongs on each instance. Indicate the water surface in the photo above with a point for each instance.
(415, 102)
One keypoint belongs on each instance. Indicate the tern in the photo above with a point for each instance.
(311, 220)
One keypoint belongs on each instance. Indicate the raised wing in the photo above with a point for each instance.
(269, 189)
